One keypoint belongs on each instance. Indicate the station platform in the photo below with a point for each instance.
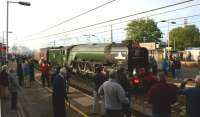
(37, 102)
(6, 109)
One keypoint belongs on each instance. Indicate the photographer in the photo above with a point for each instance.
(192, 97)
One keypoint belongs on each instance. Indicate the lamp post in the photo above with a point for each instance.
(168, 30)
(3, 42)
(7, 19)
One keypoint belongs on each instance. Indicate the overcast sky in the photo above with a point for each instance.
(24, 20)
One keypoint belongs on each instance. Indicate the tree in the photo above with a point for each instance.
(142, 30)
(183, 37)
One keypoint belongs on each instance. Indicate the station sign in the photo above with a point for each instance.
(149, 46)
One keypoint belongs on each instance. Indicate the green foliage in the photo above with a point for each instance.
(188, 36)
(143, 31)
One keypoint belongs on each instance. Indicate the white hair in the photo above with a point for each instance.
(63, 70)
(197, 79)
(4, 67)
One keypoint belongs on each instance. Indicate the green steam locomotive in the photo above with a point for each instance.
(84, 58)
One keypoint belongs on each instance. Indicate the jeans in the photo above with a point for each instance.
(154, 114)
(177, 73)
(13, 100)
(45, 77)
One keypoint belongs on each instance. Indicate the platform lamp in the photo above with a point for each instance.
(7, 19)
(3, 42)
(168, 22)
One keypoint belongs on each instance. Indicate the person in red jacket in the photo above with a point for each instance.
(161, 96)
(44, 68)
(149, 80)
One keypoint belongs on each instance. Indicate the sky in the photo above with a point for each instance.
(42, 14)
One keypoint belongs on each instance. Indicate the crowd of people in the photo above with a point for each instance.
(9, 84)
(173, 66)
(112, 88)
(12, 78)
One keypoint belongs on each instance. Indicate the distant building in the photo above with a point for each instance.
(194, 52)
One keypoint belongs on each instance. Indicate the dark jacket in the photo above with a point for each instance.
(99, 79)
(32, 72)
(149, 81)
(59, 94)
(13, 82)
(177, 64)
(123, 81)
(59, 86)
(161, 96)
(19, 69)
(4, 78)
(192, 101)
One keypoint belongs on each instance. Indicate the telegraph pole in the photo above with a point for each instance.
(111, 34)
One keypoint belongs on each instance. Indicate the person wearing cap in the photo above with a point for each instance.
(13, 88)
(4, 82)
(161, 95)
(59, 93)
(192, 97)
(114, 96)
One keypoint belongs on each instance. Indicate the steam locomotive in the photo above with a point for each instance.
(84, 58)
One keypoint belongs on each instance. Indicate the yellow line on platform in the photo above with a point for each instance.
(82, 92)
(76, 109)
(70, 105)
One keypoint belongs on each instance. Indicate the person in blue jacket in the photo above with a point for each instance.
(165, 66)
(192, 97)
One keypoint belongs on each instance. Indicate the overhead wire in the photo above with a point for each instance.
(113, 29)
(148, 16)
(145, 17)
(178, 24)
(72, 18)
(118, 19)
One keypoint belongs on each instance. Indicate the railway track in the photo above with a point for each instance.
(87, 94)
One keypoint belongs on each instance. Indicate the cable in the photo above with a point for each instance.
(148, 16)
(75, 37)
(104, 31)
(120, 18)
(72, 18)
